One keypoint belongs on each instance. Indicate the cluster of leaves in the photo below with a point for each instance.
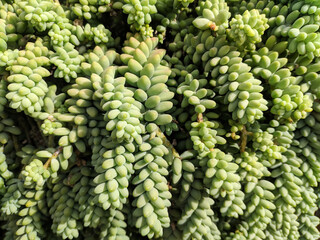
(159, 119)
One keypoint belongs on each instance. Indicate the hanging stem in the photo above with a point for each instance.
(244, 139)
(54, 155)
(200, 117)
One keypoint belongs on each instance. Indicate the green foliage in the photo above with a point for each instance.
(159, 119)
(139, 14)
(213, 14)
(246, 29)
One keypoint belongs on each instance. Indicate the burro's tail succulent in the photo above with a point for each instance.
(159, 119)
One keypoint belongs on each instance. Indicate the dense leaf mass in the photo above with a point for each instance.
(159, 119)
